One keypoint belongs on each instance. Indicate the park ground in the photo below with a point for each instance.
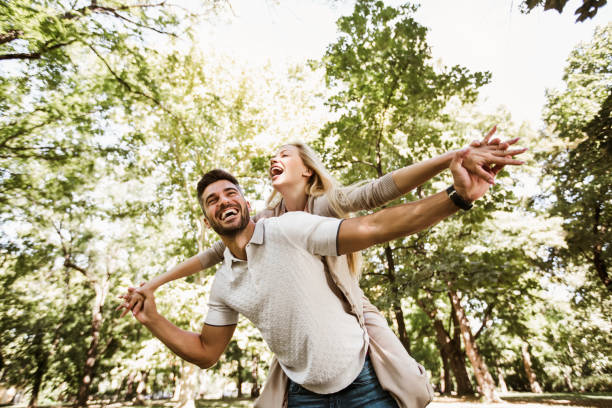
(515, 400)
(522, 400)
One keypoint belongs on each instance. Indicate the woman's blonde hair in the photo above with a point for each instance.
(322, 182)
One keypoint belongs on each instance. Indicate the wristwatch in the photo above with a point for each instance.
(457, 199)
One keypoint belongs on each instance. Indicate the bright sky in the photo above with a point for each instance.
(525, 53)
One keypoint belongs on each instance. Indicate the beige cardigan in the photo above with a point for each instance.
(397, 371)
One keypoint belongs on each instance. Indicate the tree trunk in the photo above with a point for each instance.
(1, 367)
(188, 386)
(446, 385)
(239, 378)
(598, 261)
(130, 392)
(450, 349)
(458, 366)
(254, 373)
(568, 381)
(531, 377)
(502, 382)
(101, 289)
(397, 303)
(141, 389)
(464, 383)
(42, 359)
(481, 371)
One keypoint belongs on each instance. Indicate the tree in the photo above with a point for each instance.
(392, 107)
(389, 96)
(581, 184)
(588, 9)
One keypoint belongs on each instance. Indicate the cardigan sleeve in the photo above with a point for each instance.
(367, 196)
(212, 255)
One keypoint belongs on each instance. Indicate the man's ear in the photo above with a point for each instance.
(206, 221)
(248, 206)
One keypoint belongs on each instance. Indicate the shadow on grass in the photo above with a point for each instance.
(603, 400)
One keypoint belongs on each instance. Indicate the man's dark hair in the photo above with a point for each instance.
(214, 176)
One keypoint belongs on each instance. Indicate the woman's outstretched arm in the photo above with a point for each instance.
(205, 259)
(479, 159)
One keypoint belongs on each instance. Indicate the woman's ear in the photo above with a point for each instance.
(307, 172)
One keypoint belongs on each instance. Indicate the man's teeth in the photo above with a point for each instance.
(228, 213)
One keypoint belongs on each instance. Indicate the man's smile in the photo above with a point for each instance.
(228, 213)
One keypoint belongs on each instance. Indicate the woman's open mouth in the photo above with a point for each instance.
(275, 171)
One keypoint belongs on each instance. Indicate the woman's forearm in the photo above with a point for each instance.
(410, 177)
(182, 270)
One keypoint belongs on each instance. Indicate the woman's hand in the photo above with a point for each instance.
(487, 157)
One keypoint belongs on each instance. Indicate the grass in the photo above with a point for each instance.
(562, 399)
(527, 400)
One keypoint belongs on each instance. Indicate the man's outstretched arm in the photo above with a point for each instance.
(402, 220)
(394, 222)
(204, 349)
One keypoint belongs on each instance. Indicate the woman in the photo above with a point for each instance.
(304, 185)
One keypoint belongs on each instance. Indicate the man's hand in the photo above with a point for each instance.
(467, 184)
(148, 312)
(134, 298)
(482, 155)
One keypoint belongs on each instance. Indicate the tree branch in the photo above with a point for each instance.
(376, 274)
(10, 35)
(35, 55)
(137, 91)
(157, 30)
(70, 15)
(487, 316)
(3, 144)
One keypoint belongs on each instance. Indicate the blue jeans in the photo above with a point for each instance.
(365, 391)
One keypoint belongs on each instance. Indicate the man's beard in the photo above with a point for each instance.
(232, 231)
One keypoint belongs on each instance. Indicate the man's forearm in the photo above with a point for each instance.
(395, 222)
(185, 344)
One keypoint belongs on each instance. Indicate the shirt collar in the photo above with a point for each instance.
(256, 238)
(258, 234)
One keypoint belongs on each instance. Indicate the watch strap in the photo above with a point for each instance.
(457, 199)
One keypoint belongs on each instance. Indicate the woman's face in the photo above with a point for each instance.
(287, 168)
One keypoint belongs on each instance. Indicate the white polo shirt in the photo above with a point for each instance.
(283, 290)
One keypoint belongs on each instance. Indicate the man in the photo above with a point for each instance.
(274, 276)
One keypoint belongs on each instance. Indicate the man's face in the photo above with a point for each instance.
(225, 209)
